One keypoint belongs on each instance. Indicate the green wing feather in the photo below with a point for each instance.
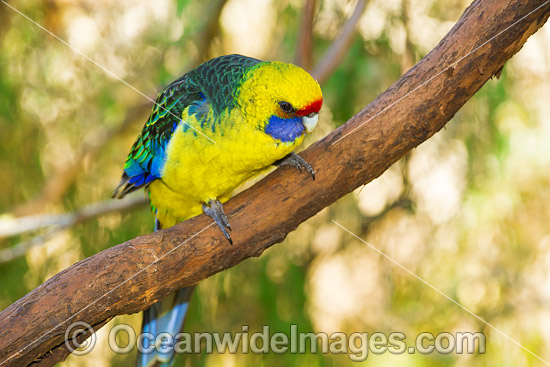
(213, 85)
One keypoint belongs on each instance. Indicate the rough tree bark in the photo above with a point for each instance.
(130, 277)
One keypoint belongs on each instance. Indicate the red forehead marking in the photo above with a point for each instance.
(312, 107)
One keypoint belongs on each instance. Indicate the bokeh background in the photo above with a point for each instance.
(468, 210)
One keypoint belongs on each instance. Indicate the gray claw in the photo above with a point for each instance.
(296, 161)
(214, 209)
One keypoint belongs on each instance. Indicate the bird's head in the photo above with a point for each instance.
(281, 99)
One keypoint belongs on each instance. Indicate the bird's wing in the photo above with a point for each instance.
(146, 159)
(210, 86)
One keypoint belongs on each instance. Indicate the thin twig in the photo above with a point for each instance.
(408, 58)
(339, 47)
(210, 31)
(54, 223)
(304, 49)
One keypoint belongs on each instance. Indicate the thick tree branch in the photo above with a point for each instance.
(130, 277)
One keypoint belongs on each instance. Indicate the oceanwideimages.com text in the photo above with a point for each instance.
(358, 345)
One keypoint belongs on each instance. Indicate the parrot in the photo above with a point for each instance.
(210, 130)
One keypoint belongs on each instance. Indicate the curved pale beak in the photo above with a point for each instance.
(310, 121)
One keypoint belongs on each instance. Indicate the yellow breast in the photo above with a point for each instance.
(197, 170)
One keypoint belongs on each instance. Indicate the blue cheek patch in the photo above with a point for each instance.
(284, 129)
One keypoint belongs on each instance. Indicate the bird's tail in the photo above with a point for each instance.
(166, 316)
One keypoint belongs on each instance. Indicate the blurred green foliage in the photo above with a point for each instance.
(467, 211)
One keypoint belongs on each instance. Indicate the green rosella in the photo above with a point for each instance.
(210, 130)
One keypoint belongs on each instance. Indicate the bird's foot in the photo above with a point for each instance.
(214, 209)
(295, 160)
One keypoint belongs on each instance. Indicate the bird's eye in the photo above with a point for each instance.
(286, 107)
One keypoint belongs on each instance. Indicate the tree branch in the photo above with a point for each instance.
(210, 31)
(54, 223)
(130, 277)
(304, 48)
(337, 50)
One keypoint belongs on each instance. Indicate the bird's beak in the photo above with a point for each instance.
(310, 121)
